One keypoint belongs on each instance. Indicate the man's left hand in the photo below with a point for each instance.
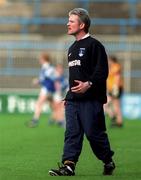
(81, 87)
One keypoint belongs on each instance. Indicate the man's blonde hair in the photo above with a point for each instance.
(83, 16)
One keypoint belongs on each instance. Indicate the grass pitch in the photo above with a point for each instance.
(28, 154)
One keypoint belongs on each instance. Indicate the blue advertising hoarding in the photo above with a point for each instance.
(131, 106)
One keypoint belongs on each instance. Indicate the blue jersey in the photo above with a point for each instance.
(63, 82)
(47, 77)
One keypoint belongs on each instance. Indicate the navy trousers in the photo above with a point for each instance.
(85, 117)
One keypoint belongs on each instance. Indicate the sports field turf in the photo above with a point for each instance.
(28, 154)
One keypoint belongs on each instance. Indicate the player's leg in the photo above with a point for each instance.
(109, 110)
(117, 109)
(38, 109)
(73, 141)
(58, 110)
(93, 120)
(39, 105)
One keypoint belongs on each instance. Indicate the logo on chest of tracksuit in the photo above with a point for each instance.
(76, 62)
(81, 52)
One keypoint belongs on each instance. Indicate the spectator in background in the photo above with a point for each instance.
(61, 85)
(47, 82)
(115, 90)
(3, 2)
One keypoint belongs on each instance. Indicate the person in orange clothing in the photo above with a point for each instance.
(115, 90)
(2, 2)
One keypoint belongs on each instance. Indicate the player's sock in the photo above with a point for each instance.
(113, 121)
(32, 123)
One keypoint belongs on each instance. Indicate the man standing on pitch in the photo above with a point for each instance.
(88, 71)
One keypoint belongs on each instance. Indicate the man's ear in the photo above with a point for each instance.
(82, 25)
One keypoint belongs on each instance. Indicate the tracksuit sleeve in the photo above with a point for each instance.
(100, 72)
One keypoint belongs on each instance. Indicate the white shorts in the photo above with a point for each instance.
(57, 97)
(45, 92)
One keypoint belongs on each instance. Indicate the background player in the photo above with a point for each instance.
(115, 90)
(47, 81)
(61, 85)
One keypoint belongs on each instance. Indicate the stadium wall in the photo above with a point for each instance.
(19, 58)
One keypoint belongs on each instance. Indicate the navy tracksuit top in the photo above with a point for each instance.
(87, 61)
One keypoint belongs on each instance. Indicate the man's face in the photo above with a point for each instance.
(74, 25)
